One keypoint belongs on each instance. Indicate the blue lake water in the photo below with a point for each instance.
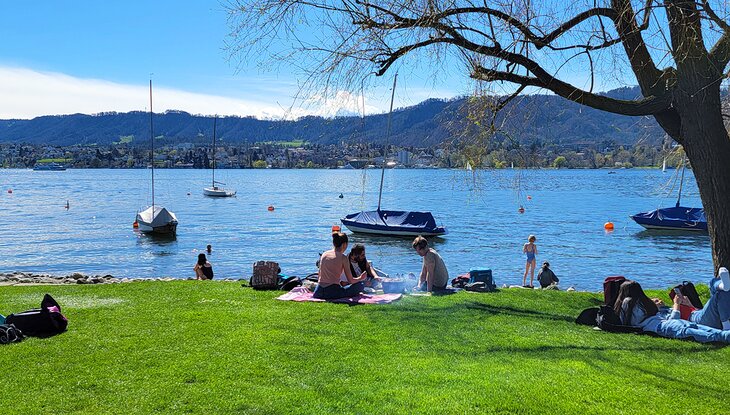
(566, 210)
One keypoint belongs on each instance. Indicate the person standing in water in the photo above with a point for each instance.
(530, 251)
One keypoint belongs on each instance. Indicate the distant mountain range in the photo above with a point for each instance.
(529, 119)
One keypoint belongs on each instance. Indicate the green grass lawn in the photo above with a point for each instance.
(207, 348)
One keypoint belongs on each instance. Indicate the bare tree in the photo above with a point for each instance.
(677, 51)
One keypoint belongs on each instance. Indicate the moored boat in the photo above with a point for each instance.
(49, 167)
(394, 223)
(673, 218)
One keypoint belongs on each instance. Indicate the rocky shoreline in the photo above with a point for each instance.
(16, 278)
(25, 278)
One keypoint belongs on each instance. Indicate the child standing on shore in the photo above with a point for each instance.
(530, 251)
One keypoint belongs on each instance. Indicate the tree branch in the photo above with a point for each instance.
(646, 106)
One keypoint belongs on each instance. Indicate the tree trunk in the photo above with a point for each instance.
(707, 146)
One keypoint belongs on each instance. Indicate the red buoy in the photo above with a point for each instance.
(271, 208)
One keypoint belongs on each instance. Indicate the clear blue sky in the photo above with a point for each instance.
(94, 56)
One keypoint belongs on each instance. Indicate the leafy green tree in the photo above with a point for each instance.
(259, 164)
(560, 162)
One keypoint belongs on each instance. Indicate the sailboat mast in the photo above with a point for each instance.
(387, 140)
(215, 120)
(152, 155)
(681, 181)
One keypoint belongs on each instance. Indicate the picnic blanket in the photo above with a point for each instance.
(304, 294)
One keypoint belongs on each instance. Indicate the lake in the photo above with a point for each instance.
(565, 209)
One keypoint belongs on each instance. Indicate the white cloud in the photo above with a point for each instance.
(28, 93)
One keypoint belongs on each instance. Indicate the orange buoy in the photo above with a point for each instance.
(336, 228)
(521, 210)
(135, 225)
(271, 208)
(608, 226)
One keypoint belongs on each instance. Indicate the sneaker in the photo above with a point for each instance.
(368, 290)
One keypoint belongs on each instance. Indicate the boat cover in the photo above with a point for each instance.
(678, 217)
(160, 217)
(394, 219)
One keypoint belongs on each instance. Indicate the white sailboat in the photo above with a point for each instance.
(664, 165)
(214, 190)
(155, 219)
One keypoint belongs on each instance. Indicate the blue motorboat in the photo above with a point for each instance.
(393, 222)
(678, 218)
(673, 218)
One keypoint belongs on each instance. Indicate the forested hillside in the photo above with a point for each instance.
(529, 119)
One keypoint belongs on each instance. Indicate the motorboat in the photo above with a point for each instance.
(49, 167)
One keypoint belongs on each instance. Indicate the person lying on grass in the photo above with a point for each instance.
(710, 324)
(332, 264)
(434, 275)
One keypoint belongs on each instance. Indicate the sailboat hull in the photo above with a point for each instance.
(675, 218)
(157, 220)
(393, 223)
(218, 192)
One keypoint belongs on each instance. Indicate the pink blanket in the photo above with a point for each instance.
(303, 294)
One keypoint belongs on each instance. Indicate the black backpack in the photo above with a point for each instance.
(40, 322)
(9, 334)
(605, 318)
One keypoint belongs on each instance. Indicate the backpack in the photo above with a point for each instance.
(288, 283)
(611, 285)
(9, 334)
(605, 318)
(40, 322)
(688, 290)
(477, 275)
(265, 275)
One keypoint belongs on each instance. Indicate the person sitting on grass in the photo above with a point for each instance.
(360, 264)
(203, 269)
(546, 277)
(434, 275)
(705, 325)
(332, 264)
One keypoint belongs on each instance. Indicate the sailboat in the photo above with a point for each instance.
(392, 222)
(214, 190)
(664, 165)
(674, 218)
(155, 219)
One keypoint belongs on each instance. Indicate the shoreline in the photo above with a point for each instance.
(30, 278)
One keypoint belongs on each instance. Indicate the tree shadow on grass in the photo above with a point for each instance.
(518, 312)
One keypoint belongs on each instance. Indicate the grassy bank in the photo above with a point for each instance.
(196, 347)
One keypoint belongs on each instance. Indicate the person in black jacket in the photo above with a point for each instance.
(546, 276)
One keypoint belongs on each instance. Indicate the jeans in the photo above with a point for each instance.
(716, 310)
(335, 291)
(682, 329)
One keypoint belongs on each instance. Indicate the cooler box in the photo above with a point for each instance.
(481, 275)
